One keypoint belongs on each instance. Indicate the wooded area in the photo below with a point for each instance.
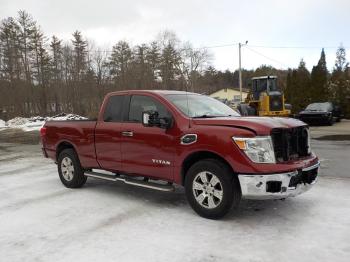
(42, 76)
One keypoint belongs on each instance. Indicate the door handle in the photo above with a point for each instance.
(127, 133)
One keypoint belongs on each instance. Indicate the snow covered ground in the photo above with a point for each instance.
(40, 220)
(36, 122)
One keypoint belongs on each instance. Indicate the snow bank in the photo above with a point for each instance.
(64, 116)
(2, 123)
(17, 121)
(36, 122)
(27, 124)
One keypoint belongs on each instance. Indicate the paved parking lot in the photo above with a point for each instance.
(40, 220)
(337, 131)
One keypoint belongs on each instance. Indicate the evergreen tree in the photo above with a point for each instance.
(303, 83)
(319, 80)
(57, 71)
(340, 81)
(79, 55)
(79, 71)
(27, 28)
(153, 59)
(143, 73)
(298, 87)
(168, 66)
(340, 62)
(120, 62)
(9, 50)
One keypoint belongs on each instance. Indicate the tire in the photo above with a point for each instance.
(204, 197)
(330, 121)
(69, 169)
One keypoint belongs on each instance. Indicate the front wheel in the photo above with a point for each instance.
(330, 121)
(211, 188)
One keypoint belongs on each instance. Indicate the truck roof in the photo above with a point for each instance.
(264, 77)
(159, 92)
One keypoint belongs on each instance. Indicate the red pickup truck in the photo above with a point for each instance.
(155, 139)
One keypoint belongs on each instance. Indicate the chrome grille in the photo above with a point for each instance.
(290, 143)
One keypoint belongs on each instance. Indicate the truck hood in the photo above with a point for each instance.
(258, 125)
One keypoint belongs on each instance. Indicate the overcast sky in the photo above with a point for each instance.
(304, 23)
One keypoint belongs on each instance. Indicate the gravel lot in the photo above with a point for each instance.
(40, 220)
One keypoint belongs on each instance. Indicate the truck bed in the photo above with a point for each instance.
(80, 133)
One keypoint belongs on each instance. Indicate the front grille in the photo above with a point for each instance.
(276, 103)
(290, 143)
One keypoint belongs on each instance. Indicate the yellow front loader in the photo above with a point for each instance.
(265, 98)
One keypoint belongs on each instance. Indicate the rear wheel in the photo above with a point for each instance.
(211, 188)
(69, 169)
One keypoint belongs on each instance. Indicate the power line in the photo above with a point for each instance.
(202, 47)
(217, 46)
(297, 47)
(255, 46)
(269, 58)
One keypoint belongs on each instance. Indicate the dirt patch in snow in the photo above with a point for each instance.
(15, 135)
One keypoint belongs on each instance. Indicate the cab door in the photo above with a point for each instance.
(147, 151)
(108, 134)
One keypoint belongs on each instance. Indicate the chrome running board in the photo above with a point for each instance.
(131, 181)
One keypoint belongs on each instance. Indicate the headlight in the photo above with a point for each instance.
(258, 149)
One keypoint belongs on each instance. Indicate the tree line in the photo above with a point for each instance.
(46, 76)
(304, 87)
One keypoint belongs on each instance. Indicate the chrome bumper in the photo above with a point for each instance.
(278, 186)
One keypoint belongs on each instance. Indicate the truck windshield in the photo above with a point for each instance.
(200, 106)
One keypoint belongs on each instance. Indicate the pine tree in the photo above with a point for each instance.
(27, 28)
(298, 87)
(9, 50)
(340, 81)
(319, 80)
(57, 71)
(153, 59)
(142, 71)
(120, 61)
(303, 83)
(168, 63)
(340, 62)
(79, 55)
(79, 68)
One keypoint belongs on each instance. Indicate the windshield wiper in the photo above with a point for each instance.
(205, 116)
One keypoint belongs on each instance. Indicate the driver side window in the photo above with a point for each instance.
(139, 104)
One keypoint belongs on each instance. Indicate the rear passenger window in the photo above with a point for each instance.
(113, 110)
(139, 104)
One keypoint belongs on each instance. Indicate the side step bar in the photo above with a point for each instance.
(130, 181)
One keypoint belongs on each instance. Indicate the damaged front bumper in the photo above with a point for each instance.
(278, 186)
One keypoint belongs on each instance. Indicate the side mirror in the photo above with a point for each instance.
(151, 118)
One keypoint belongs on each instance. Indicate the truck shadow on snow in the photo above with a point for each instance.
(248, 210)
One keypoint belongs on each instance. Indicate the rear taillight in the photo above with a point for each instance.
(43, 131)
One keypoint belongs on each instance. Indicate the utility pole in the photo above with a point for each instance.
(240, 68)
